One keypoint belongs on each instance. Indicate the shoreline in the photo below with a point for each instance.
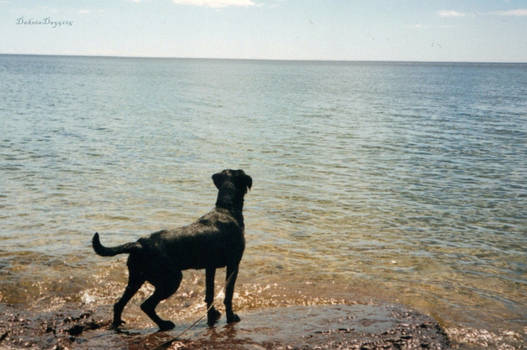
(89, 308)
(359, 326)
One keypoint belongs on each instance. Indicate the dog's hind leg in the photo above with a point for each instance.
(232, 274)
(213, 315)
(163, 290)
(134, 283)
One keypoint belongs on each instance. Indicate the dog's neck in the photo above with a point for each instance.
(231, 198)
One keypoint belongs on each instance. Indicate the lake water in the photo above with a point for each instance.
(397, 181)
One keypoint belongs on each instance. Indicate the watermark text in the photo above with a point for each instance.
(46, 21)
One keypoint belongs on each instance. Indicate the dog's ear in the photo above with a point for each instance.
(218, 179)
(247, 181)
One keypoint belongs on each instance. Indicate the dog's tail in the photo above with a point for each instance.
(111, 251)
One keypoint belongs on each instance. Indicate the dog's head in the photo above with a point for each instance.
(238, 178)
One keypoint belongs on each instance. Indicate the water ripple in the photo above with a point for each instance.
(405, 178)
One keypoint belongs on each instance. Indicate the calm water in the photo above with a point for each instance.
(400, 181)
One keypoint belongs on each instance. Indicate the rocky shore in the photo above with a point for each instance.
(379, 326)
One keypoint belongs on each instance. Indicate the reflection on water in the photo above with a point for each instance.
(396, 181)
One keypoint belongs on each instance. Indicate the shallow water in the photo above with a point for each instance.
(400, 181)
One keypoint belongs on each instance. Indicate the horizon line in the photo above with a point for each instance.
(263, 59)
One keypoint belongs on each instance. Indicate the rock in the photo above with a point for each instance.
(320, 327)
(295, 327)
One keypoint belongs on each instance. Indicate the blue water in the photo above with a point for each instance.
(408, 178)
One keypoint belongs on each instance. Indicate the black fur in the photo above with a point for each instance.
(214, 240)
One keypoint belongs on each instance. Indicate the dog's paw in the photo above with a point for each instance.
(233, 318)
(116, 324)
(166, 325)
(213, 316)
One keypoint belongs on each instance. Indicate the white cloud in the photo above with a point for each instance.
(84, 12)
(450, 13)
(215, 3)
(516, 12)
(453, 13)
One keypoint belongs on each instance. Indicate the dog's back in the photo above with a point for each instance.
(214, 240)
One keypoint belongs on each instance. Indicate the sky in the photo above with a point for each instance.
(393, 30)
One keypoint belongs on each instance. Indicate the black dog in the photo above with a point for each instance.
(214, 240)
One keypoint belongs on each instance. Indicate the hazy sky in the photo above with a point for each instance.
(423, 30)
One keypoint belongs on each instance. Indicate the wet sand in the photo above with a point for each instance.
(360, 326)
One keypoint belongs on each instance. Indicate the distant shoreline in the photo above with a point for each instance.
(402, 62)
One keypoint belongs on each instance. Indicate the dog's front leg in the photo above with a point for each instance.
(213, 315)
(232, 274)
